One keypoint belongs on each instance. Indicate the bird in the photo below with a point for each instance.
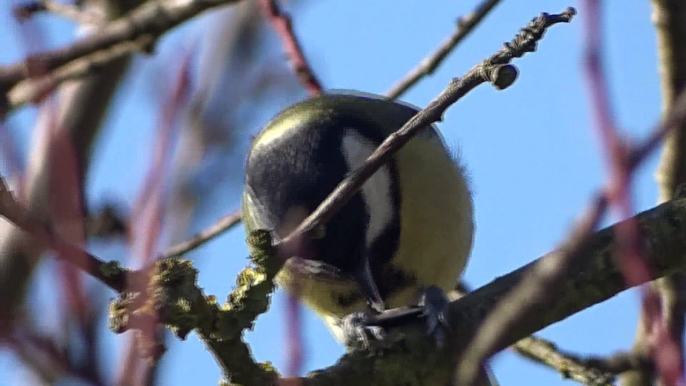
(409, 228)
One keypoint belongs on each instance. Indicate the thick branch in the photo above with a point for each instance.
(152, 18)
(593, 279)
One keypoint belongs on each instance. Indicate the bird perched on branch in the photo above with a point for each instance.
(406, 234)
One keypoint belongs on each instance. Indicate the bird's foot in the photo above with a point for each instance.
(359, 332)
(361, 329)
(434, 307)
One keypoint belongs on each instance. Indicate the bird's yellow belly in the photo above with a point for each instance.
(435, 233)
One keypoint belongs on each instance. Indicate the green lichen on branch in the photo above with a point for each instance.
(172, 297)
(250, 297)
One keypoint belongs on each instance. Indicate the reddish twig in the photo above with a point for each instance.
(533, 289)
(630, 254)
(67, 210)
(146, 223)
(110, 274)
(284, 28)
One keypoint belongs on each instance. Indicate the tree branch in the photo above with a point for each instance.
(222, 225)
(284, 28)
(71, 12)
(34, 89)
(594, 278)
(465, 25)
(668, 16)
(495, 70)
(151, 19)
(109, 273)
(569, 366)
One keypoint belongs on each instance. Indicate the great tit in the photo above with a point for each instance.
(409, 228)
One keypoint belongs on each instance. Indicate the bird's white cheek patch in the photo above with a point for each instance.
(376, 192)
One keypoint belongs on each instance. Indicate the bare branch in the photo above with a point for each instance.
(465, 25)
(668, 16)
(495, 70)
(284, 28)
(34, 89)
(546, 353)
(110, 274)
(150, 19)
(595, 277)
(569, 366)
(224, 224)
(67, 11)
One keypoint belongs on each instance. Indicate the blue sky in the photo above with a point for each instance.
(531, 152)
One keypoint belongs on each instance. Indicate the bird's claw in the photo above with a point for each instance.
(434, 305)
(361, 329)
(358, 332)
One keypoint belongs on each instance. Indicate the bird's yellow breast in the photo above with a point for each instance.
(436, 227)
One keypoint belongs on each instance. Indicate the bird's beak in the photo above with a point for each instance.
(368, 286)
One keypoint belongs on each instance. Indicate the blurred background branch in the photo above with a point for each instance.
(668, 17)
(82, 108)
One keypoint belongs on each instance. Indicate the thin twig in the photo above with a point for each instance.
(110, 274)
(151, 18)
(569, 366)
(222, 225)
(27, 10)
(547, 353)
(284, 28)
(34, 89)
(621, 362)
(587, 370)
(495, 70)
(465, 25)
